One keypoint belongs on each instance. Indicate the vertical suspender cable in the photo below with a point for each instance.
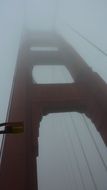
(82, 148)
(76, 158)
(101, 157)
(68, 153)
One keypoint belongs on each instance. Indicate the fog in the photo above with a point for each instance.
(89, 19)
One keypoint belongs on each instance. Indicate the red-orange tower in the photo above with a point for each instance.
(29, 102)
